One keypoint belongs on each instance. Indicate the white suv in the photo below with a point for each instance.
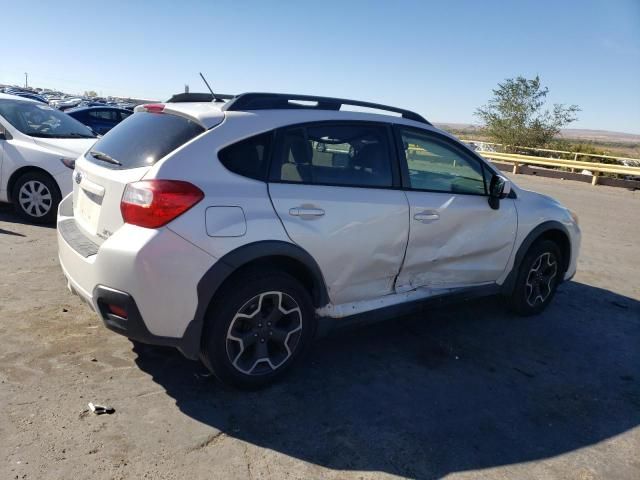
(38, 148)
(238, 231)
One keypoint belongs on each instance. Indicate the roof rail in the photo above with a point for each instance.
(197, 97)
(277, 101)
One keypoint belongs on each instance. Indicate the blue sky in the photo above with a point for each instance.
(439, 58)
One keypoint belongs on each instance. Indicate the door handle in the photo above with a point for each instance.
(306, 212)
(428, 216)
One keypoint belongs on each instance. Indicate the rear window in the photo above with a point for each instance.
(144, 138)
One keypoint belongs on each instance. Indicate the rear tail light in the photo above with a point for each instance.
(154, 107)
(154, 203)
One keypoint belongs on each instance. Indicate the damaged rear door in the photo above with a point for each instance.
(455, 238)
(334, 186)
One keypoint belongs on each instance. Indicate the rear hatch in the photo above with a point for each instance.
(122, 156)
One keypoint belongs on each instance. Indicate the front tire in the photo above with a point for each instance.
(257, 328)
(539, 276)
(35, 197)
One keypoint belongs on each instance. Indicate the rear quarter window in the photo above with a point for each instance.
(248, 157)
(145, 138)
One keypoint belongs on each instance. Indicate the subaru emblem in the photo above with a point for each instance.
(78, 177)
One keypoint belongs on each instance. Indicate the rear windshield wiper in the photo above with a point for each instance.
(41, 135)
(104, 157)
(79, 135)
(59, 135)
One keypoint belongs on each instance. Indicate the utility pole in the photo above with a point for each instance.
(186, 88)
(26, 80)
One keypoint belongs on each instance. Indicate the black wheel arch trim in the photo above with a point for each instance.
(213, 279)
(530, 239)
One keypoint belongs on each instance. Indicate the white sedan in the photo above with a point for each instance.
(38, 148)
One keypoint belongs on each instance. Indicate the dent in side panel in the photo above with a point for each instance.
(358, 240)
(468, 244)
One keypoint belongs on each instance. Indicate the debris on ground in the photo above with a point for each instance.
(101, 409)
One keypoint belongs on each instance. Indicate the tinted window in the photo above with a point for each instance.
(437, 166)
(109, 115)
(145, 138)
(332, 154)
(248, 157)
(40, 120)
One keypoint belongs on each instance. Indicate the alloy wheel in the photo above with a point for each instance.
(540, 279)
(264, 333)
(35, 198)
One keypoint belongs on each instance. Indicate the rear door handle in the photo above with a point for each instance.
(428, 216)
(306, 212)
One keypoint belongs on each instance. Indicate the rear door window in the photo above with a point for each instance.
(347, 154)
(144, 139)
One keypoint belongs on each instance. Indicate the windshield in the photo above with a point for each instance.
(38, 120)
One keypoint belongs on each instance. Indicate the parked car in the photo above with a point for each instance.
(219, 228)
(68, 103)
(100, 119)
(25, 94)
(38, 148)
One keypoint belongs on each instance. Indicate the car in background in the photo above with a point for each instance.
(93, 103)
(100, 119)
(68, 103)
(25, 93)
(38, 148)
(126, 106)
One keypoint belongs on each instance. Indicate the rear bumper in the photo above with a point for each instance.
(152, 274)
(134, 327)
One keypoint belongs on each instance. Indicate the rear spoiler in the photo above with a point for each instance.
(203, 114)
(197, 97)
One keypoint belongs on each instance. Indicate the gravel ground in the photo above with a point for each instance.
(465, 392)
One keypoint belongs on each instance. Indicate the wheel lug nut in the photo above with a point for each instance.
(262, 340)
(255, 334)
(259, 325)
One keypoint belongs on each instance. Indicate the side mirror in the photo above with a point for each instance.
(4, 134)
(499, 188)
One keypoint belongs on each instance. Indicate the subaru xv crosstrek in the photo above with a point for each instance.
(238, 231)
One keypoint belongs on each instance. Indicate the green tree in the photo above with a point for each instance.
(517, 114)
(90, 93)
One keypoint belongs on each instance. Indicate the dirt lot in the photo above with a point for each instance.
(464, 392)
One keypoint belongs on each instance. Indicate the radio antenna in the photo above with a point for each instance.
(215, 99)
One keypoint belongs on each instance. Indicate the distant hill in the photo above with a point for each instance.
(567, 133)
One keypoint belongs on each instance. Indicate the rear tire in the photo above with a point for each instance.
(538, 278)
(35, 197)
(256, 329)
